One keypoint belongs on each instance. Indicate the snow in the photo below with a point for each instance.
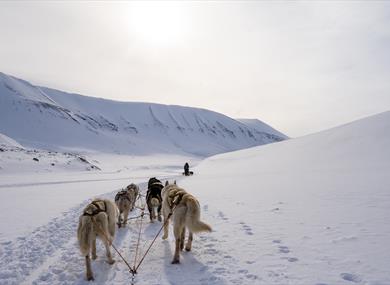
(261, 127)
(7, 141)
(311, 210)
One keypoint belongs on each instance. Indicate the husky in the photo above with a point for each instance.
(154, 199)
(97, 220)
(185, 210)
(125, 200)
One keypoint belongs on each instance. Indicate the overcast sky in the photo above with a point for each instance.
(300, 66)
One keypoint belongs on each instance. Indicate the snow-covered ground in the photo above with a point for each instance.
(312, 210)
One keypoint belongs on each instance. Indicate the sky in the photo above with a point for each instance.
(299, 66)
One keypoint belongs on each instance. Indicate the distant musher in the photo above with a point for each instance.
(187, 171)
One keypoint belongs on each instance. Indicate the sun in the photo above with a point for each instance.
(159, 24)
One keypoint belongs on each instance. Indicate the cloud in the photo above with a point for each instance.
(300, 66)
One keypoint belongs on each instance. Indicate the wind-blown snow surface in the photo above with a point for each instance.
(50, 119)
(313, 210)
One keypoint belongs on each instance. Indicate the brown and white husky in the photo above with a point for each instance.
(185, 211)
(97, 220)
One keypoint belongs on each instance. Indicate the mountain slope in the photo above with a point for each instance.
(260, 126)
(7, 141)
(34, 115)
(312, 210)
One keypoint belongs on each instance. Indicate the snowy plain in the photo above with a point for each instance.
(312, 210)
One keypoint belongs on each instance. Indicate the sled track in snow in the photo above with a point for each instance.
(15, 185)
(49, 254)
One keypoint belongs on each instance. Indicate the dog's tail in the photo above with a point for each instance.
(155, 202)
(112, 214)
(193, 221)
(85, 234)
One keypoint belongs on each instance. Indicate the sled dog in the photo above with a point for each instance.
(185, 210)
(125, 201)
(97, 220)
(154, 199)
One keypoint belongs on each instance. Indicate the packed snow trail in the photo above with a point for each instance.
(50, 255)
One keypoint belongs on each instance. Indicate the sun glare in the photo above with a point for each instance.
(157, 25)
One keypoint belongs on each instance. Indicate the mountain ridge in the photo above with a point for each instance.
(33, 116)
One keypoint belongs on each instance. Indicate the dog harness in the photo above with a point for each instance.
(154, 191)
(122, 193)
(176, 198)
(98, 207)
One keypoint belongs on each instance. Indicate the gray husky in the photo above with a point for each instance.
(125, 200)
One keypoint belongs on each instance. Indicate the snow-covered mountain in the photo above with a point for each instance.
(6, 141)
(50, 119)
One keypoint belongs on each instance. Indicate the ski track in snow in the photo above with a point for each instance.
(16, 185)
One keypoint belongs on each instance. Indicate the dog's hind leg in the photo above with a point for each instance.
(151, 213)
(177, 232)
(154, 210)
(125, 216)
(88, 267)
(166, 225)
(108, 253)
(159, 212)
(182, 238)
(94, 249)
(166, 228)
(105, 236)
(119, 219)
(189, 242)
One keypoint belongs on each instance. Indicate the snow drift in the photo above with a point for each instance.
(312, 210)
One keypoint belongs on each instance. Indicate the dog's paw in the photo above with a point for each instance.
(175, 261)
(90, 278)
(94, 257)
(164, 236)
(188, 249)
(112, 261)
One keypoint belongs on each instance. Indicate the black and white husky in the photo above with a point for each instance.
(154, 199)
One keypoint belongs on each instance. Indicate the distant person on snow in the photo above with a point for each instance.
(186, 169)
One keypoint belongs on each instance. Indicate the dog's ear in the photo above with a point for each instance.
(166, 183)
(174, 182)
